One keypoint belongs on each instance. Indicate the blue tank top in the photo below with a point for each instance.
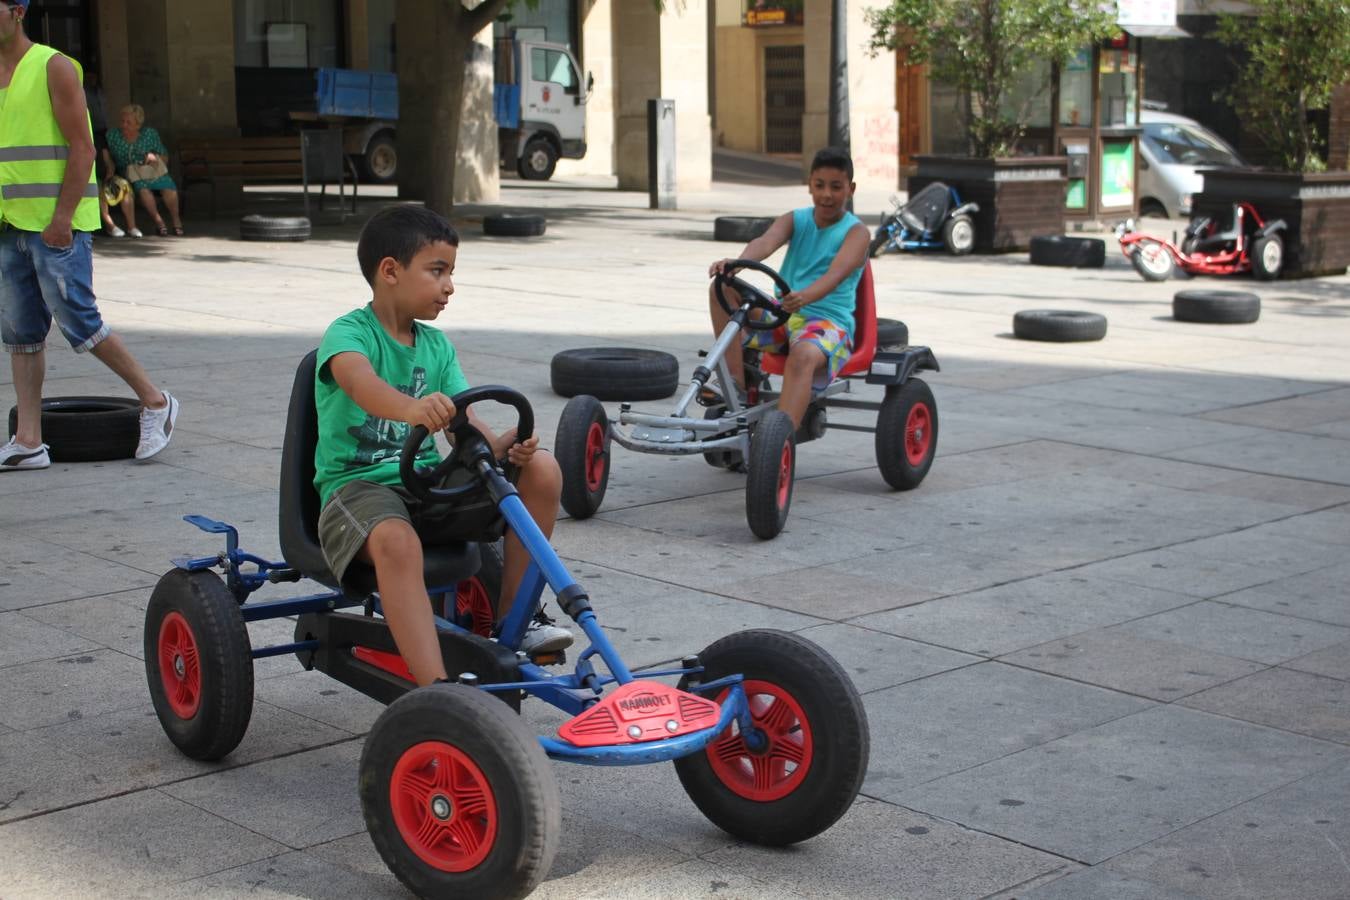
(809, 255)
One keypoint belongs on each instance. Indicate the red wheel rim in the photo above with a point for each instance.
(918, 433)
(443, 806)
(595, 457)
(472, 600)
(780, 766)
(180, 666)
(785, 476)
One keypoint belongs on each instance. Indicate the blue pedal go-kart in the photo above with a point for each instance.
(933, 219)
(766, 731)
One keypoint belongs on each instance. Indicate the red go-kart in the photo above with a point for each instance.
(1248, 244)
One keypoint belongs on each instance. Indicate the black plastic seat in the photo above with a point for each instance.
(1220, 238)
(443, 564)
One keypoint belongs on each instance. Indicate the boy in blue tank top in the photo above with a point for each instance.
(827, 246)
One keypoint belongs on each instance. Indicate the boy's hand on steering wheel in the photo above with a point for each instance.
(517, 453)
(434, 411)
(717, 267)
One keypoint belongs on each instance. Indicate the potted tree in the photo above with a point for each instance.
(1297, 52)
(982, 48)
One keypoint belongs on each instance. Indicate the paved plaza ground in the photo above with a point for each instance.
(1104, 649)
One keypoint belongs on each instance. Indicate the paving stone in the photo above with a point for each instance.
(1177, 569)
(1289, 842)
(38, 571)
(26, 640)
(1156, 771)
(1307, 495)
(300, 873)
(1238, 632)
(67, 688)
(1087, 538)
(1333, 662)
(1097, 882)
(1281, 698)
(1286, 453)
(944, 568)
(1318, 595)
(1291, 413)
(926, 729)
(828, 592)
(1328, 526)
(318, 697)
(874, 660)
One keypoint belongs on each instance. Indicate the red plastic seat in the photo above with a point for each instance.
(864, 333)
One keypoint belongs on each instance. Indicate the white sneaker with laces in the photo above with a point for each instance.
(15, 456)
(542, 636)
(157, 427)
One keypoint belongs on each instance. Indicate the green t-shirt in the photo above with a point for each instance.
(352, 444)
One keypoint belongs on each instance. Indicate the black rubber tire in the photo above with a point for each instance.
(1059, 325)
(1267, 255)
(537, 161)
(721, 459)
(217, 636)
(1152, 208)
(510, 225)
(892, 333)
(958, 235)
(583, 455)
(274, 228)
(614, 373)
(773, 458)
(1071, 252)
(907, 434)
(1161, 272)
(740, 229)
(837, 724)
(516, 777)
(379, 164)
(879, 240)
(87, 429)
(1217, 307)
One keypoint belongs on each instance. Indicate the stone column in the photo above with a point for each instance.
(597, 58)
(662, 55)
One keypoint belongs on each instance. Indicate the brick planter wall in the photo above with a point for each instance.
(1019, 198)
(1338, 135)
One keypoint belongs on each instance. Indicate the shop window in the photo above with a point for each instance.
(1075, 90)
(1119, 75)
(288, 33)
(1030, 91)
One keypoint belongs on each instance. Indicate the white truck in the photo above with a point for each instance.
(540, 105)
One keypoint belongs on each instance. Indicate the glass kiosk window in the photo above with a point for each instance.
(1119, 74)
(1075, 90)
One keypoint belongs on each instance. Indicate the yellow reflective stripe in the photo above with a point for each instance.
(33, 154)
(32, 191)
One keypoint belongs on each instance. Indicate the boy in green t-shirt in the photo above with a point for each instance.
(379, 372)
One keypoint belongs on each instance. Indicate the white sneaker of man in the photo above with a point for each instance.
(157, 427)
(15, 456)
(542, 636)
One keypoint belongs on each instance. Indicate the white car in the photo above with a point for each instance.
(1174, 149)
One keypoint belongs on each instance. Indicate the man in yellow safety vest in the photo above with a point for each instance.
(48, 207)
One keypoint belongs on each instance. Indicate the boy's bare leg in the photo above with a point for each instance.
(720, 320)
(395, 550)
(540, 488)
(113, 353)
(803, 362)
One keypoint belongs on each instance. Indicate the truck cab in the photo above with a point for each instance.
(540, 105)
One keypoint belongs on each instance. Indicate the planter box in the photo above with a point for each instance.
(1020, 198)
(1315, 207)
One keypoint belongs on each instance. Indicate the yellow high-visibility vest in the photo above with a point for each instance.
(33, 152)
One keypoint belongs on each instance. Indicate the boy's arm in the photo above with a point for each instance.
(852, 254)
(762, 247)
(354, 374)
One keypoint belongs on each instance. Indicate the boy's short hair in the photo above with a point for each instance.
(400, 232)
(833, 158)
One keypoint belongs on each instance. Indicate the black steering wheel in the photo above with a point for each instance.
(751, 294)
(470, 445)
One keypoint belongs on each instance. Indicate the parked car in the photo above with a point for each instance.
(1174, 149)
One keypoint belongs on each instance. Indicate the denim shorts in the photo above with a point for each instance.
(41, 282)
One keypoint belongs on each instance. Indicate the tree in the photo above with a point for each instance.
(1297, 52)
(982, 47)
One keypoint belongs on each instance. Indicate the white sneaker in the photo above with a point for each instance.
(112, 230)
(157, 427)
(135, 232)
(542, 636)
(15, 456)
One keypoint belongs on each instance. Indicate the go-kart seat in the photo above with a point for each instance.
(443, 564)
(864, 333)
(1220, 238)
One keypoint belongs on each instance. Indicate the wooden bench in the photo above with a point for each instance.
(268, 159)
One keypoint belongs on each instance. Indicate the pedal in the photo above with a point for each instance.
(552, 658)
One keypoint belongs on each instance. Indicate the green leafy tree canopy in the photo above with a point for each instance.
(1297, 51)
(981, 48)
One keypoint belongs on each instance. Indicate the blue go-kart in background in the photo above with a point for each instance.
(933, 219)
(766, 732)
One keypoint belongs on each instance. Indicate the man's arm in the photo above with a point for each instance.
(354, 374)
(851, 256)
(72, 117)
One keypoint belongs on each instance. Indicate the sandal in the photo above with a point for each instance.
(178, 231)
(162, 230)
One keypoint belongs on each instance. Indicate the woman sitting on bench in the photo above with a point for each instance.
(141, 156)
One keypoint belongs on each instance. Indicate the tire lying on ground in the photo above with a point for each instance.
(740, 228)
(1059, 325)
(1058, 250)
(274, 228)
(511, 225)
(1220, 307)
(891, 333)
(614, 373)
(87, 429)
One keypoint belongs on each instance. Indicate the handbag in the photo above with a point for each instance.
(147, 171)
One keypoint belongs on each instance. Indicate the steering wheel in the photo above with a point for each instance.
(751, 294)
(470, 445)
